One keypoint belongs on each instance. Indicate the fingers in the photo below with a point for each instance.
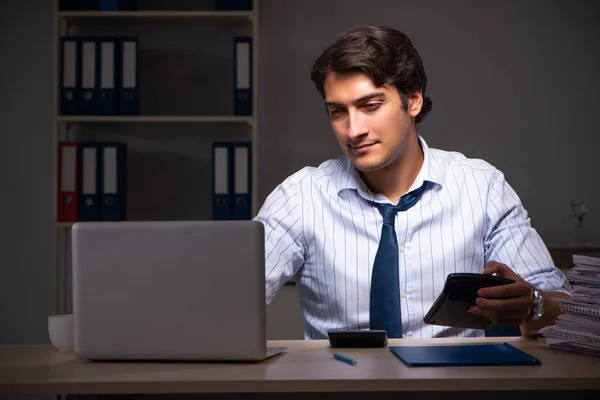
(518, 289)
(494, 267)
(510, 304)
(506, 318)
(505, 305)
(492, 315)
(503, 310)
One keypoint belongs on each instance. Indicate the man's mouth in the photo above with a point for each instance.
(362, 148)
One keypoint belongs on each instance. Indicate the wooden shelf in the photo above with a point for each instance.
(83, 15)
(170, 30)
(155, 118)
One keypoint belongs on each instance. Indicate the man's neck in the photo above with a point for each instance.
(396, 178)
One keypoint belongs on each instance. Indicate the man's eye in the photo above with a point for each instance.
(371, 106)
(336, 113)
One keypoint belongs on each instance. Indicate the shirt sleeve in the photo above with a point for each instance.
(281, 215)
(510, 239)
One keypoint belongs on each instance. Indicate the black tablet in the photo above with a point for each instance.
(357, 338)
(451, 308)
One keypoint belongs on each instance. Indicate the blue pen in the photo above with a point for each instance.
(345, 359)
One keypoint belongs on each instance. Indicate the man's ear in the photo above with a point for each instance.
(415, 103)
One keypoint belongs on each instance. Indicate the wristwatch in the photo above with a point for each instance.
(537, 310)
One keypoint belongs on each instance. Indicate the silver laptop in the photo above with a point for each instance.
(169, 290)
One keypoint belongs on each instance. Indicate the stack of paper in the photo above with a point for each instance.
(578, 327)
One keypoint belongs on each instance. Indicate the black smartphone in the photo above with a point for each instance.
(451, 308)
(357, 338)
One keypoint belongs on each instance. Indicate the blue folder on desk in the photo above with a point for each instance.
(495, 354)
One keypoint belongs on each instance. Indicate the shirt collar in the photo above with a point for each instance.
(430, 171)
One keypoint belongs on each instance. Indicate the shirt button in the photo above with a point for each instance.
(401, 249)
(403, 294)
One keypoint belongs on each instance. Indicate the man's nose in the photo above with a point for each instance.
(356, 127)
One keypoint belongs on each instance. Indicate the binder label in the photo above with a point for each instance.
(110, 170)
(221, 171)
(67, 176)
(89, 171)
(69, 63)
(243, 65)
(129, 67)
(241, 170)
(108, 62)
(89, 65)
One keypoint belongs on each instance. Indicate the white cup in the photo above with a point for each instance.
(60, 330)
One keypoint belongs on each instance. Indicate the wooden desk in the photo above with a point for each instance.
(306, 368)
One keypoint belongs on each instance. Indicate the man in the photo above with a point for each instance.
(358, 266)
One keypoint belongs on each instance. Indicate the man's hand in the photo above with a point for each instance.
(505, 305)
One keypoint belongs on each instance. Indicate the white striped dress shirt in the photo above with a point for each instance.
(322, 230)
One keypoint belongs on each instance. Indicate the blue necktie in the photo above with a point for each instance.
(385, 285)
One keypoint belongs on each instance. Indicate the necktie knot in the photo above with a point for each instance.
(389, 211)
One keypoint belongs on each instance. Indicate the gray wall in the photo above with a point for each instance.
(513, 82)
(26, 111)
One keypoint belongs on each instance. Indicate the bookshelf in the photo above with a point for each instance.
(182, 48)
(79, 16)
(155, 118)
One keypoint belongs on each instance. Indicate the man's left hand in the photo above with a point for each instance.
(505, 305)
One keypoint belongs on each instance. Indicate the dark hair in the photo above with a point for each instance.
(386, 55)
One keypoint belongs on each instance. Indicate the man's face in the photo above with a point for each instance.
(369, 122)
